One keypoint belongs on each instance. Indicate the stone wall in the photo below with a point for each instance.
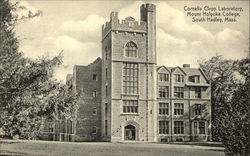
(89, 102)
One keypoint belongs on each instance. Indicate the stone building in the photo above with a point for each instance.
(126, 96)
(61, 129)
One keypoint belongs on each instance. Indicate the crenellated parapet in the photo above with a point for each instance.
(129, 24)
(149, 7)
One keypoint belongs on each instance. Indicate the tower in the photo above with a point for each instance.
(129, 77)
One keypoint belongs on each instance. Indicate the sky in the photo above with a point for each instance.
(75, 28)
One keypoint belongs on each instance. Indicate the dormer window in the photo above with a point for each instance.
(130, 24)
(179, 78)
(131, 50)
(195, 79)
(163, 77)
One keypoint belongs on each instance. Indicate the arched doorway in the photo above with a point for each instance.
(130, 133)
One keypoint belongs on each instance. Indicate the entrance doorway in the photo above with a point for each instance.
(130, 132)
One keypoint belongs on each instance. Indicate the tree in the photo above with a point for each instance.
(27, 87)
(230, 102)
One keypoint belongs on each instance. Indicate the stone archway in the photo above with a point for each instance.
(132, 128)
(129, 132)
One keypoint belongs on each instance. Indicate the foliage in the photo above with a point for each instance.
(230, 102)
(28, 91)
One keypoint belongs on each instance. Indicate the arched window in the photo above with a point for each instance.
(131, 50)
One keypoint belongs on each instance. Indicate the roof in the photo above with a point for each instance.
(98, 60)
(159, 67)
(173, 69)
(192, 71)
(186, 70)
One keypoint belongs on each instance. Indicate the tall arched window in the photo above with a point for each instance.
(131, 49)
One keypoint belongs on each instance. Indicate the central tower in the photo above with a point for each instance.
(129, 77)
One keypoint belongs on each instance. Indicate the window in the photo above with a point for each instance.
(163, 91)
(131, 50)
(130, 78)
(197, 110)
(106, 108)
(195, 127)
(130, 24)
(106, 73)
(94, 130)
(94, 93)
(179, 78)
(195, 79)
(106, 127)
(57, 126)
(106, 90)
(69, 127)
(94, 111)
(106, 52)
(201, 127)
(62, 127)
(163, 108)
(197, 92)
(178, 109)
(163, 127)
(178, 127)
(163, 77)
(130, 106)
(51, 126)
(94, 77)
(179, 139)
(178, 92)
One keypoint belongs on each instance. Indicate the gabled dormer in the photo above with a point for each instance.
(178, 75)
(163, 74)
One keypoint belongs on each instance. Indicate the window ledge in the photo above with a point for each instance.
(178, 115)
(198, 135)
(130, 94)
(135, 114)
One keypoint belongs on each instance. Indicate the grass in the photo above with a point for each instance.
(20, 147)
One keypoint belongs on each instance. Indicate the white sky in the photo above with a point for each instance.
(75, 27)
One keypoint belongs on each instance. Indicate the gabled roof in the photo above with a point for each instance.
(191, 71)
(203, 73)
(96, 60)
(173, 69)
(160, 67)
(195, 71)
(186, 70)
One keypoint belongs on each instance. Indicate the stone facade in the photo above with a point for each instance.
(195, 99)
(126, 96)
(87, 80)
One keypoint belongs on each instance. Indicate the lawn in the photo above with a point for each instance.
(9, 147)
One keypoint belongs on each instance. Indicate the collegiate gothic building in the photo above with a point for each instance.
(126, 96)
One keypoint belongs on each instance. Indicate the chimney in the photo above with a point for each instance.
(186, 65)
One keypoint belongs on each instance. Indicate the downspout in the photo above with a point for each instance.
(189, 114)
(171, 113)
